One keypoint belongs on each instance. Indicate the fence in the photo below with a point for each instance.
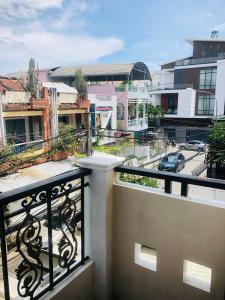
(42, 239)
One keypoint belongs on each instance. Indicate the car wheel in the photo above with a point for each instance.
(200, 150)
(182, 148)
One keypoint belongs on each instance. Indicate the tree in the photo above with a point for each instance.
(154, 112)
(32, 80)
(216, 152)
(80, 84)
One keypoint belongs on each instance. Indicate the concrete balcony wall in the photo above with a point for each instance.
(14, 97)
(186, 102)
(67, 98)
(178, 228)
(79, 286)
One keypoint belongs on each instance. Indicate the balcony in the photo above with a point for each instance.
(141, 122)
(170, 86)
(146, 243)
(196, 61)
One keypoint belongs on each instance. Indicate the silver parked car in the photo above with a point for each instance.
(194, 145)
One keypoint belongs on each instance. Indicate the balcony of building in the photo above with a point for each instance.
(198, 61)
(137, 116)
(86, 234)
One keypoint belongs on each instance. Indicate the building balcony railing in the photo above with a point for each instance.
(42, 239)
(170, 86)
(196, 61)
(138, 122)
(204, 112)
(129, 228)
(131, 88)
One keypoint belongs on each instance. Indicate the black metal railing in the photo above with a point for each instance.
(42, 234)
(168, 178)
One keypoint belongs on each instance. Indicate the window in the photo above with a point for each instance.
(197, 275)
(145, 256)
(205, 105)
(207, 79)
(120, 112)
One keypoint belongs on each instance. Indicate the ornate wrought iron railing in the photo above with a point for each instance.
(42, 234)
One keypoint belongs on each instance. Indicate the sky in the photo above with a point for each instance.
(77, 32)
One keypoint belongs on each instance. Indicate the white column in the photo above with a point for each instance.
(98, 219)
(144, 116)
(2, 123)
(137, 114)
(27, 129)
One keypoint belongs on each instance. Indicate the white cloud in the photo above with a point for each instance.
(43, 34)
(26, 8)
(53, 49)
(210, 15)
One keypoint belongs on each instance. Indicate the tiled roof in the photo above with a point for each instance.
(10, 85)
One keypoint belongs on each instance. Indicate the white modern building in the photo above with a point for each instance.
(192, 90)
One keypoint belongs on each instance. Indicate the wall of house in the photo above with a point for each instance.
(122, 97)
(78, 286)
(186, 102)
(207, 49)
(16, 97)
(178, 229)
(105, 101)
(187, 76)
(67, 98)
(167, 79)
(220, 87)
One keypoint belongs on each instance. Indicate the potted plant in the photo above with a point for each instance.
(63, 143)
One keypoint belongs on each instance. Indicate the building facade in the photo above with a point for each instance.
(24, 119)
(127, 82)
(191, 91)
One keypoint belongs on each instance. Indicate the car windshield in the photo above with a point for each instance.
(171, 158)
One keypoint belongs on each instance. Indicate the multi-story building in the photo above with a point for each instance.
(192, 91)
(25, 119)
(128, 82)
(69, 108)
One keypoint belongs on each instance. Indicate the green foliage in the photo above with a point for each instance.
(32, 81)
(65, 140)
(112, 149)
(216, 152)
(154, 113)
(80, 84)
(146, 181)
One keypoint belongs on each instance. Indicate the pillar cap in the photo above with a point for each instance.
(101, 161)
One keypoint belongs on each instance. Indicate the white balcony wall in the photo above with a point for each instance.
(220, 88)
(167, 79)
(66, 98)
(105, 101)
(186, 102)
(14, 97)
(138, 92)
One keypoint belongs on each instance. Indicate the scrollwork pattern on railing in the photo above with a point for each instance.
(29, 242)
(68, 244)
(60, 189)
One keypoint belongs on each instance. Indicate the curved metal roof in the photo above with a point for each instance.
(104, 70)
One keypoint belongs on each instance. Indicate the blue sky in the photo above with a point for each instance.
(75, 32)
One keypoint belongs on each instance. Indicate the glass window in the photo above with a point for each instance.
(207, 79)
(205, 105)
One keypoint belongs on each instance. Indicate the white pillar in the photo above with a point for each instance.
(2, 123)
(137, 114)
(98, 219)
